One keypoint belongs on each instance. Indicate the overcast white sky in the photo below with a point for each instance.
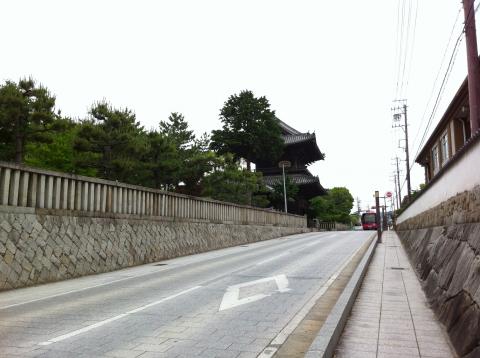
(325, 66)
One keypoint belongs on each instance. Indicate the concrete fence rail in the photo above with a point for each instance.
(332, 226)
(35, 188)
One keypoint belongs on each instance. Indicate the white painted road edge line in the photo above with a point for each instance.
(104, 322)
(275, 344)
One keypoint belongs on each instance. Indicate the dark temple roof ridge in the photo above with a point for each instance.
(287, 128)
(298, 138)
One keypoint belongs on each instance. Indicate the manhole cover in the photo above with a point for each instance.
(397, 268)
(160, 265)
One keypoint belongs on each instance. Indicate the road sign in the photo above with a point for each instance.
(388, 194)
(284, 164)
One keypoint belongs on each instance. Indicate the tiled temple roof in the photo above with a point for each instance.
(299, 179)
(298, 138)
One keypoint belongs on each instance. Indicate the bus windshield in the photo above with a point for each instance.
(368, 218)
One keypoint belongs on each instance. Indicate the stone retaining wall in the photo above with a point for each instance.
(39, 245)
(444, 246)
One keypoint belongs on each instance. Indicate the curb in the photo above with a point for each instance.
(327, 339)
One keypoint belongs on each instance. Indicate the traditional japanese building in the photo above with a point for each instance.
(300, 150)
(449, 136)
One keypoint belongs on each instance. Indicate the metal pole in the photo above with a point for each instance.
(409, 188)
(385, 226)
(473, 65)
(284, 188)
(396, 190)
(399, 197)
(377, 216)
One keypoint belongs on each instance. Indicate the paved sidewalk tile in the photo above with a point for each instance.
(391, 317)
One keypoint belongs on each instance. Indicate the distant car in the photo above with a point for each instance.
(369, 221)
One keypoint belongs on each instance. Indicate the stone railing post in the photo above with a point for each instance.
(4, 185)
(14, 188)
(23, 193)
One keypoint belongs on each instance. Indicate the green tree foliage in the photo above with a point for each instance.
(277, 196)
(197, 163)
(26, 116)
(229, 182)
(250, 129)
(178, 160)
(355, 219)
(177, 130)
(163, 162)
(112, 141)
(335, 206)
(57, 153)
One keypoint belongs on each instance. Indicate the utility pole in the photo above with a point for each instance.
(395, 201)
(359, 210)
(284, 164)
(377, 216)
(399, 192)
(473, 65)
(398, 112)
(385, 226)
(409, 188)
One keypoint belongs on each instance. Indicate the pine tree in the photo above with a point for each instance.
(113, 142)
(26, 116)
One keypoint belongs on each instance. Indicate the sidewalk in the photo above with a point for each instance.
(390, 317)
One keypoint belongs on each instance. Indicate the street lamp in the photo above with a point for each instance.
(284, 164)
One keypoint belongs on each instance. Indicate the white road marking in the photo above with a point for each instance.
(271, 259)
(275, 344)
(231, 297)
(104, 322)
(294, 250)
(79, 290)
(63, 293)
(185, 261)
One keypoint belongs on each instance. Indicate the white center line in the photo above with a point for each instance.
(185, 261)
(81, 289)
(316, 242)
(104, 322)
(271, 258)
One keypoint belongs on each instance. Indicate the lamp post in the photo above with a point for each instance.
(284, 164)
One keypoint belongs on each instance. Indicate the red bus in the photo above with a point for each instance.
(369, 221)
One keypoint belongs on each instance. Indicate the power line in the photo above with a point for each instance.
(401, 16)
(410, 61)
(405, 39)
(442, 89)
(406, 47)
(445, 78)
(437, 76)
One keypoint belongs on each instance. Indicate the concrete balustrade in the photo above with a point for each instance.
(36, 188)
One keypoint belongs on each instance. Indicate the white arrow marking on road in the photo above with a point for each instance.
(231, 297)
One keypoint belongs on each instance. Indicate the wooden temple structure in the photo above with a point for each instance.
(300, 150)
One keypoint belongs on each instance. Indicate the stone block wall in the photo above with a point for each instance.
(444, 246)
(40, 245)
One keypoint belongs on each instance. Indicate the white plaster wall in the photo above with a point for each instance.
(463, 175)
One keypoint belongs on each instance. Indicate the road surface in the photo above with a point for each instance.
(235, 302)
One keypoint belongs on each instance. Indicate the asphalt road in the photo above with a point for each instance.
(228, 303)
